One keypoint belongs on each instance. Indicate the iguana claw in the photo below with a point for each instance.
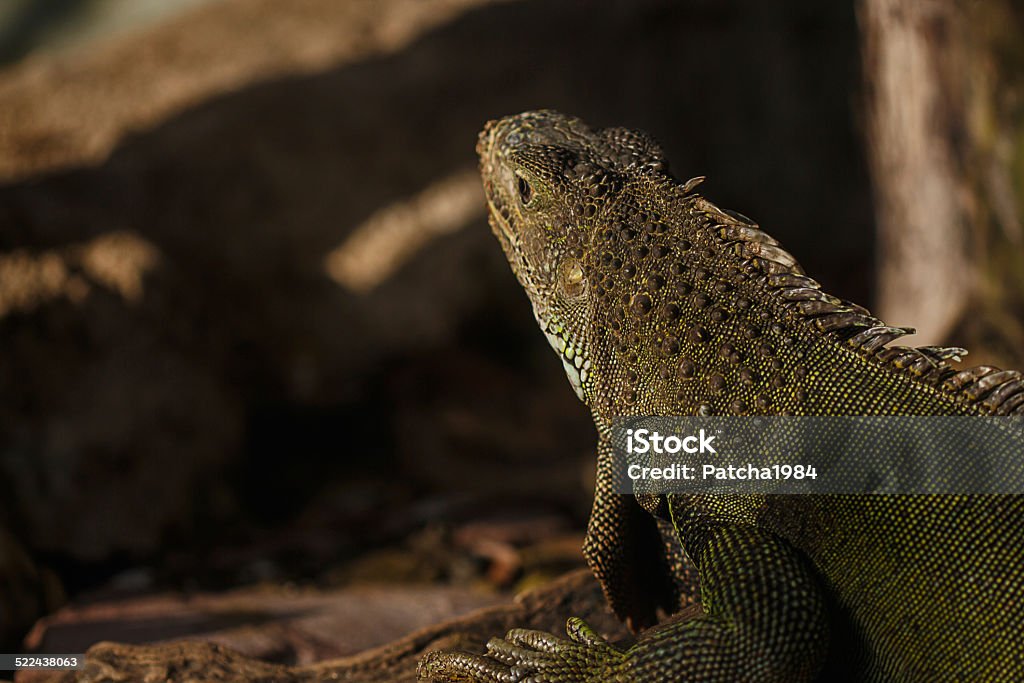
(525, 656)
(451, 665)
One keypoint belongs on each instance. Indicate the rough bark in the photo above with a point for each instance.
(946, 149)
(545, 608)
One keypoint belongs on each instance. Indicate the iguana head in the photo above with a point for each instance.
(551, 184)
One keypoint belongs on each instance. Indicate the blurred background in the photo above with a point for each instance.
(257, 340)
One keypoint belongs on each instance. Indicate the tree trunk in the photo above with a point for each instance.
(945, 128)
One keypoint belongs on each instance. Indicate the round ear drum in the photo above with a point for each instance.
(571, 279)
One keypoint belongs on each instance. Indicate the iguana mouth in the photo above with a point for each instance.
(501, 221)
(499, 211)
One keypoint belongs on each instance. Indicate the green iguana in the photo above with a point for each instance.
(660, 303)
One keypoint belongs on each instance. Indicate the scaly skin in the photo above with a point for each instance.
(660, 303)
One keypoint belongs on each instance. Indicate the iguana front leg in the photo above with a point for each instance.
(624, 547)
(764, 620)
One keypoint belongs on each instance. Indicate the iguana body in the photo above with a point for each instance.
(660, 303)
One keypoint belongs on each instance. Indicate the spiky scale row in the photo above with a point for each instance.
(999, 394)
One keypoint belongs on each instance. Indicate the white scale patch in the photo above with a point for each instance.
(576, 367)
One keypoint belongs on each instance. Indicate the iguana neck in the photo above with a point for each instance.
(697, 311)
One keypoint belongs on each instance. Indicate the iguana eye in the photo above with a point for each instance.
(571, 279)
(525, 191)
